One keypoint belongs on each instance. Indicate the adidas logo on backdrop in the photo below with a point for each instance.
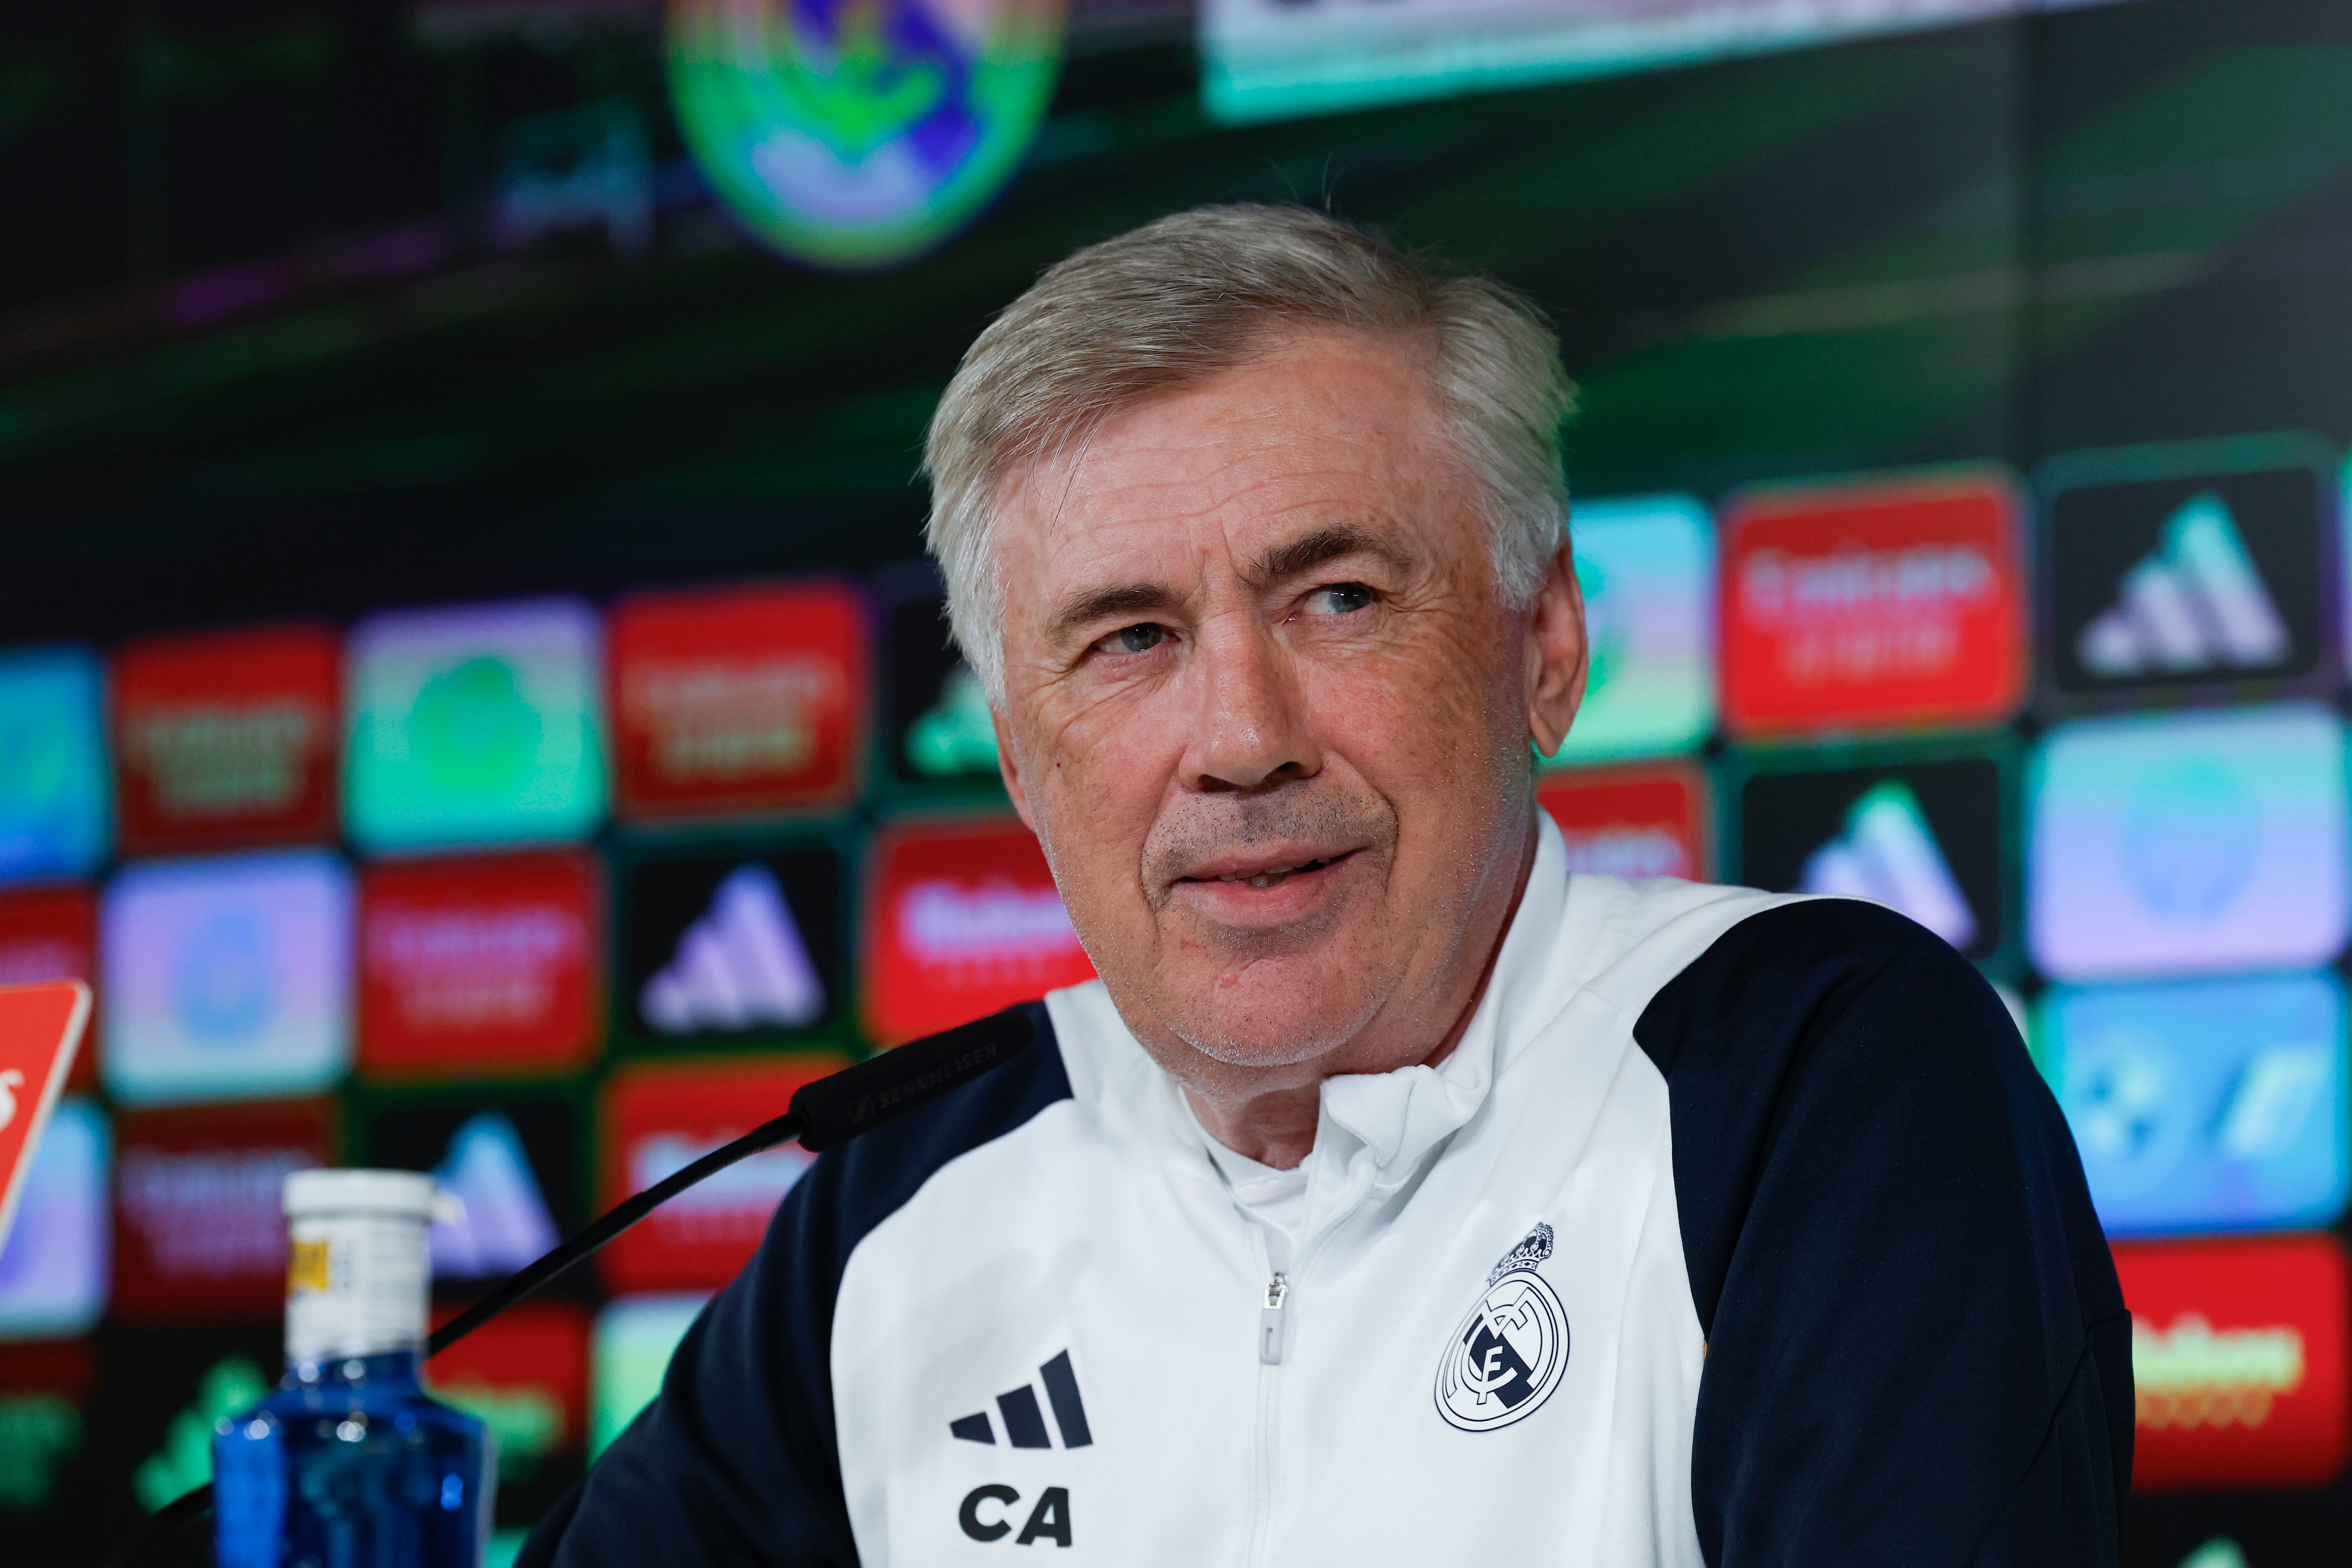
(742, 966)
(1889, 854)
(2194, 602)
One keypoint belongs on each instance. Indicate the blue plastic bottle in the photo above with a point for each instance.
(348, 1464)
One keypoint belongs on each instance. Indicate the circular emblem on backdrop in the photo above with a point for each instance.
(2191, 838)
(853, 134)
(1506, 1356)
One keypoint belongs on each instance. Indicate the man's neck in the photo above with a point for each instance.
(1277, 1127)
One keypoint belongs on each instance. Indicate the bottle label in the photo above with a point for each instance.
(356, 1285)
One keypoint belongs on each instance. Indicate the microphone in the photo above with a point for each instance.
(823, 1115)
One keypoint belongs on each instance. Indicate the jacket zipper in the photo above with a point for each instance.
(1270, 1338)
(1269, 1321)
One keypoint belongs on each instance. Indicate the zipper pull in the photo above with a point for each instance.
(1269, 1321)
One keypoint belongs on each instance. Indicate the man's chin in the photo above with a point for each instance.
(1270, 1014)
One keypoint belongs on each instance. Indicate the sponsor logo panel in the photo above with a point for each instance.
(2188, 842)
(2181, 568)
(512, 1160)
(525, 1373)
(2238, 1362)
(56, 1263)
(468, 966)
(1917, 830)
(199, 1215)
(475, 725)
(739, 698)
(1633, 821)
(1647, 568)
(55, 795)
(739, 946)
(1886, 603)
(634, 1338)
(226, 978)
(226, 738)
(2206, 1104)
(44, 1391)
(963, 918)
(939, 730)
(658, 1118)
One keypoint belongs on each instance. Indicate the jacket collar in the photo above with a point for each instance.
(1385, 1123)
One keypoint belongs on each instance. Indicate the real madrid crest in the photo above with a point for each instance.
(1505, 1360)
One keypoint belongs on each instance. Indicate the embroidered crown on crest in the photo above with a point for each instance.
(1532, 1249)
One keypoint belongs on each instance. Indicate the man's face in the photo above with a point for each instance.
(1269, 715)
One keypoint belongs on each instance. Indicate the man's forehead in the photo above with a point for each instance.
(1227, 472)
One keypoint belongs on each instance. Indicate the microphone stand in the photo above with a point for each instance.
(823, 1115)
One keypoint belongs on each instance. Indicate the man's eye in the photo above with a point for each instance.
(1338, 599)
(1141, 638)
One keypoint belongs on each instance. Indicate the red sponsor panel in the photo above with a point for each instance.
(51, 933)
(2239, 1359)
(199, 1221)
(737, 699)
(961, 918)
(480, 965)
(526, 1373)
(227, 737)
(1632, 821)
(1882, 604)
(660, 1117)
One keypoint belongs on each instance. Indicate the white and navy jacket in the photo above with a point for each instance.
(1738, 1230)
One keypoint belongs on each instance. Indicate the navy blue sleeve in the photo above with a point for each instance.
(1917, 1351)
(735, 1462)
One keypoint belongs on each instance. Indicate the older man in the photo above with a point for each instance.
(1396, 1195)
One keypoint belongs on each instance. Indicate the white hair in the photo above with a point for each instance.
(1165, 305)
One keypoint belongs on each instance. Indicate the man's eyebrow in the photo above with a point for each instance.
(1304, 553)
(1088, 606)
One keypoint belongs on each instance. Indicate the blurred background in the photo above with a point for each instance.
(471, 700)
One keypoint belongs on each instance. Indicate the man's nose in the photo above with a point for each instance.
(1249, 729)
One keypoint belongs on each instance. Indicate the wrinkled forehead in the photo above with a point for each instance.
(1326, 431)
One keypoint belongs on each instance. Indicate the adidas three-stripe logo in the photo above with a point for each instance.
(1025, 1422)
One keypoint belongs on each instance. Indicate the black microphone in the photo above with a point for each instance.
(823, 1115)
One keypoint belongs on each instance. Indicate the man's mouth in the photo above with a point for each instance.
(1262, 877)
(1271, 874)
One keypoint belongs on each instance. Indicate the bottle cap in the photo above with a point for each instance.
(402, 1195)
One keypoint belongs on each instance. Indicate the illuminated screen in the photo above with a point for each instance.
(2238, 1362)
(480, 965)
(1874, 604)
(2205, 1104)
(226, 978)
(2216, 566)
(1647, 569)
(733, 945)
(56, 806)
(660, 1117)
(226, 738)
(849, 136)
(54, 1266)
(1918, 833)
(474, 726)
(2192, 841)
(200, 1217)
(634, 1337)
(1268, 58)
(963, 918)
(739, 699)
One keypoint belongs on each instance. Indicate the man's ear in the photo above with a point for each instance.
(1004, 767)
(1557, 654)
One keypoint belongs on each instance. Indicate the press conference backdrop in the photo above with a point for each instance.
(471, 700)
